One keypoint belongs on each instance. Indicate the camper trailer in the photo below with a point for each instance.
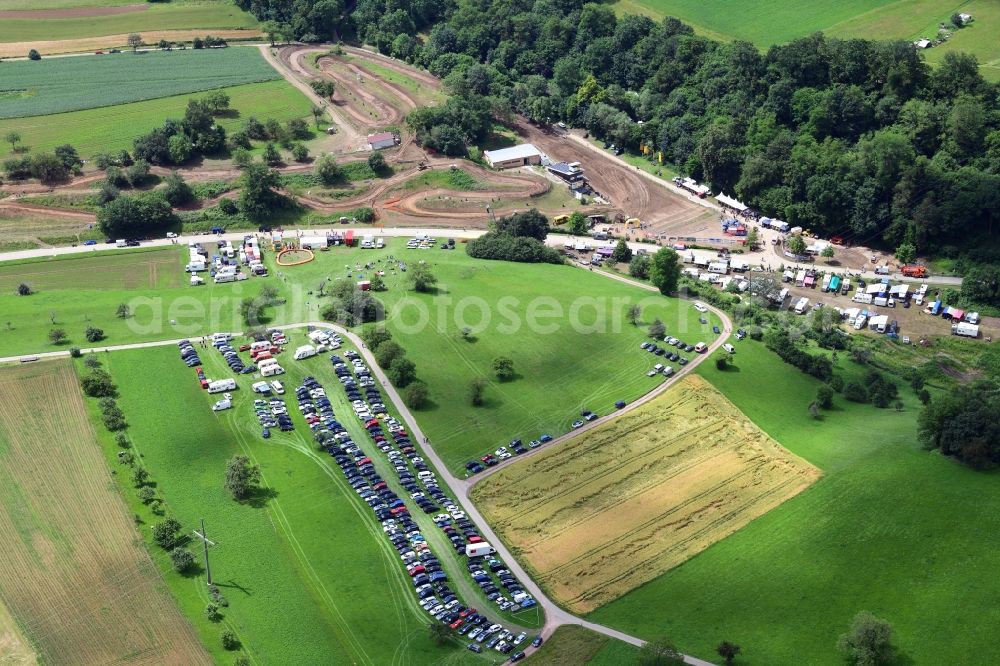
(802, 306)
(221, 385)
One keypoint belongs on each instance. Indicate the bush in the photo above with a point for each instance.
(177, 192)
(182, 560)
(94, 334)
(228, 207)
(146, 495)
(721, 362)
(74, 352)
(416, 395)
(34, 55)
(837, 383)
(300, 153)
(165, 533)
(229, 640)
(477, 391)
(855, 392)
(824, 397)
(504, 247)
(212, 613)
(98, 384)
(121, 439)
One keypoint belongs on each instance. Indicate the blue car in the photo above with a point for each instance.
(266, 433)
(90, 242)
(545, 438)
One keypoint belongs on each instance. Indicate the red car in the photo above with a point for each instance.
(456, 624)
(419, 569)
(244, 347)
(467, 612)
(398, 510)
(475, 539)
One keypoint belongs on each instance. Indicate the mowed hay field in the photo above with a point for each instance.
(127, 270)
(634, 498)
(201, 15)
(113, 128)
(24, 231)
(74, 576)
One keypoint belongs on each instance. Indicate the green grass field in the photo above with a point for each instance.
(99, 130)
(308, 574)
(57, 85)
(572, 644)
(562, 369)
(890, 528)
(221, 14)
(773, 22)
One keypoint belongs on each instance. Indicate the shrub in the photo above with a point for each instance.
(505, 247)
(855, 392)
(477, 391)
(212, 613)
(229, 640)
(75, 352)
(165, 533)
(824, 397)
(94, 334)
(146, 494)
(182, 559)
(837, 383)
(416, 395)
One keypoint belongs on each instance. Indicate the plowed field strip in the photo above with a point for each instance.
(74, 575)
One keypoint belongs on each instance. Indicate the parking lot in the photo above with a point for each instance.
(331, 398)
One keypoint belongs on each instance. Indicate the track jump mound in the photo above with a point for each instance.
(294, 257)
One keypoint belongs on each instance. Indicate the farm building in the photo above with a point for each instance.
(382, 140)
(922, 43)
(515, 156)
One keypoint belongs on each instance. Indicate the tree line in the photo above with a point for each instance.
(859, 138)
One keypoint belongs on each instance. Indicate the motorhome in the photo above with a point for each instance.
(802, 306)
(305, 351)
(965, 329)
(221, 385)
(271, 370)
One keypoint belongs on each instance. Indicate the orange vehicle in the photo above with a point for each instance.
(914, 270)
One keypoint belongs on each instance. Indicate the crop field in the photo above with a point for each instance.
(309, 575)
(52, 24)
(113, 128)
(57, 85)
(74, 578)
(565, 331)
(879, 532)
(634, 498)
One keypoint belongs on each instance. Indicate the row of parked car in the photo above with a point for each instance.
(221, 342)
(417, 478)
(189, 354)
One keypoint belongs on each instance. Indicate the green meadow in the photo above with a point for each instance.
(890, 528)
(307, 572)
(113, 128)
(770, 22)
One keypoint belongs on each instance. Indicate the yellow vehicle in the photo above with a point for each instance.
(633, 222)
(561, 219)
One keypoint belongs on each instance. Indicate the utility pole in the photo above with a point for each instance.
(206, 542)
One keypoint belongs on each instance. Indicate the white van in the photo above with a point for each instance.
(305, 351)
(221, 385)
(271, 370)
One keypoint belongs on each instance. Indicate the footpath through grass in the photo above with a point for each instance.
(114, 128)
(308, 574)
(56, 85)
(890, 528)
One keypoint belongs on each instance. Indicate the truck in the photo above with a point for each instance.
(845, 287)
(860, 322)
(826, 283)
(914, 270)
(305, 351)
(802, 306)
(834, 284)
(481, 549)
(221, 385)
(965, 329)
